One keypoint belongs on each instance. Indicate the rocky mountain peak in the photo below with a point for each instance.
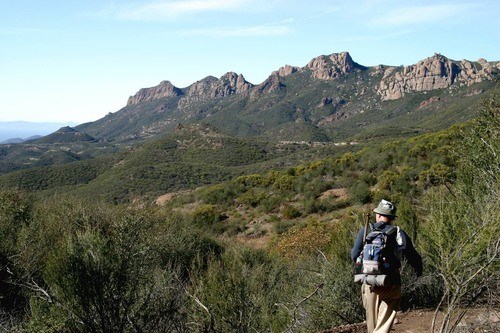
(432, 73)
(201, 87)
(331, 66)
(211, 87)
(232, 83)
(389, 82)
(322, 67)
(287, 70)
(272, 83)
(164, 89)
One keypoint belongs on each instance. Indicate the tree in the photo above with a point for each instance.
(463, 228)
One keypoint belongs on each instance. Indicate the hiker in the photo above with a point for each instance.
(381, 286)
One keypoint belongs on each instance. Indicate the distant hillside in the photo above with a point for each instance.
(192, 156)
(19, 140)
(64, 135)
(25, 130)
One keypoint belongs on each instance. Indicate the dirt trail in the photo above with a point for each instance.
(420, 321)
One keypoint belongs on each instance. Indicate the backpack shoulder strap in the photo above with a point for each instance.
(401, 239)
(367, 231)
(391, 230)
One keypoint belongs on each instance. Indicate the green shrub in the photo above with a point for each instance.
(338, 301)
(253, 180)
(15, 213)
(107, 278)
(333, 298)
(304, 241)
(313, 206)
(220, 194)
(290, 212)
(407, 218)
(437, 174)
(253, 197)
(360, 191)
(205, 216)
(241, 292)
(96, 268)
(281, 226)
(283, 182)
(16, 210)
(271, 203)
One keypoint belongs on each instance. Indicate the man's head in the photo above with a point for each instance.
(386, 211)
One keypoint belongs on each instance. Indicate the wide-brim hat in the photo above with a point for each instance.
(386, 208)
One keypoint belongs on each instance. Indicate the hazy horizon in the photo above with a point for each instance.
(24, 129)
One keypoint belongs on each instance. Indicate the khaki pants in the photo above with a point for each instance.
(380, 305)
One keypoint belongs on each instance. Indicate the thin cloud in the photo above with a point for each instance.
(421, 14)
(264, 30)
(164, 10)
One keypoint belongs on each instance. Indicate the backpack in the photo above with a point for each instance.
(380, 257)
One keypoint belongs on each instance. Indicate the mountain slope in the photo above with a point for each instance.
(64, 135)
(192, 156)
(331, 99)
(309, 103)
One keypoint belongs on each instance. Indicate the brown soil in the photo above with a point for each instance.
(420, 321)
(337, 193)
(163, 199)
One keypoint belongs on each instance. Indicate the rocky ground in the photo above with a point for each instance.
(420, 321)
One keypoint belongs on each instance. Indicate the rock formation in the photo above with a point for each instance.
(211, 88)
(287, 70)
(230, 83)
(272, 83)
(164, 89)
(429, 101)
(202, 88)
(332, 66)
(436, 72)
(325, 91)
(208, 88)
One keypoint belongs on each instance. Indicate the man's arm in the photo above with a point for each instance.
(413, 257)
(358, 245)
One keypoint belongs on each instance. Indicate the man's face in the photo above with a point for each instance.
(382, 218)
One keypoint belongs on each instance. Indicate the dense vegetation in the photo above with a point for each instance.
(193, 156)
(265, 252)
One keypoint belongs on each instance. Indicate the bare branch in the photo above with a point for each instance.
(485, 265)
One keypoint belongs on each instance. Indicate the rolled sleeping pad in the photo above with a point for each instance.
(377, 280)
(372, 280)
(360, 278)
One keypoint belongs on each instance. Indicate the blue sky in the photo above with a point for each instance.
(78, 60)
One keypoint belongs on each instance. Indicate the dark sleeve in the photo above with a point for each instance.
(358, 245)
(413, 257)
